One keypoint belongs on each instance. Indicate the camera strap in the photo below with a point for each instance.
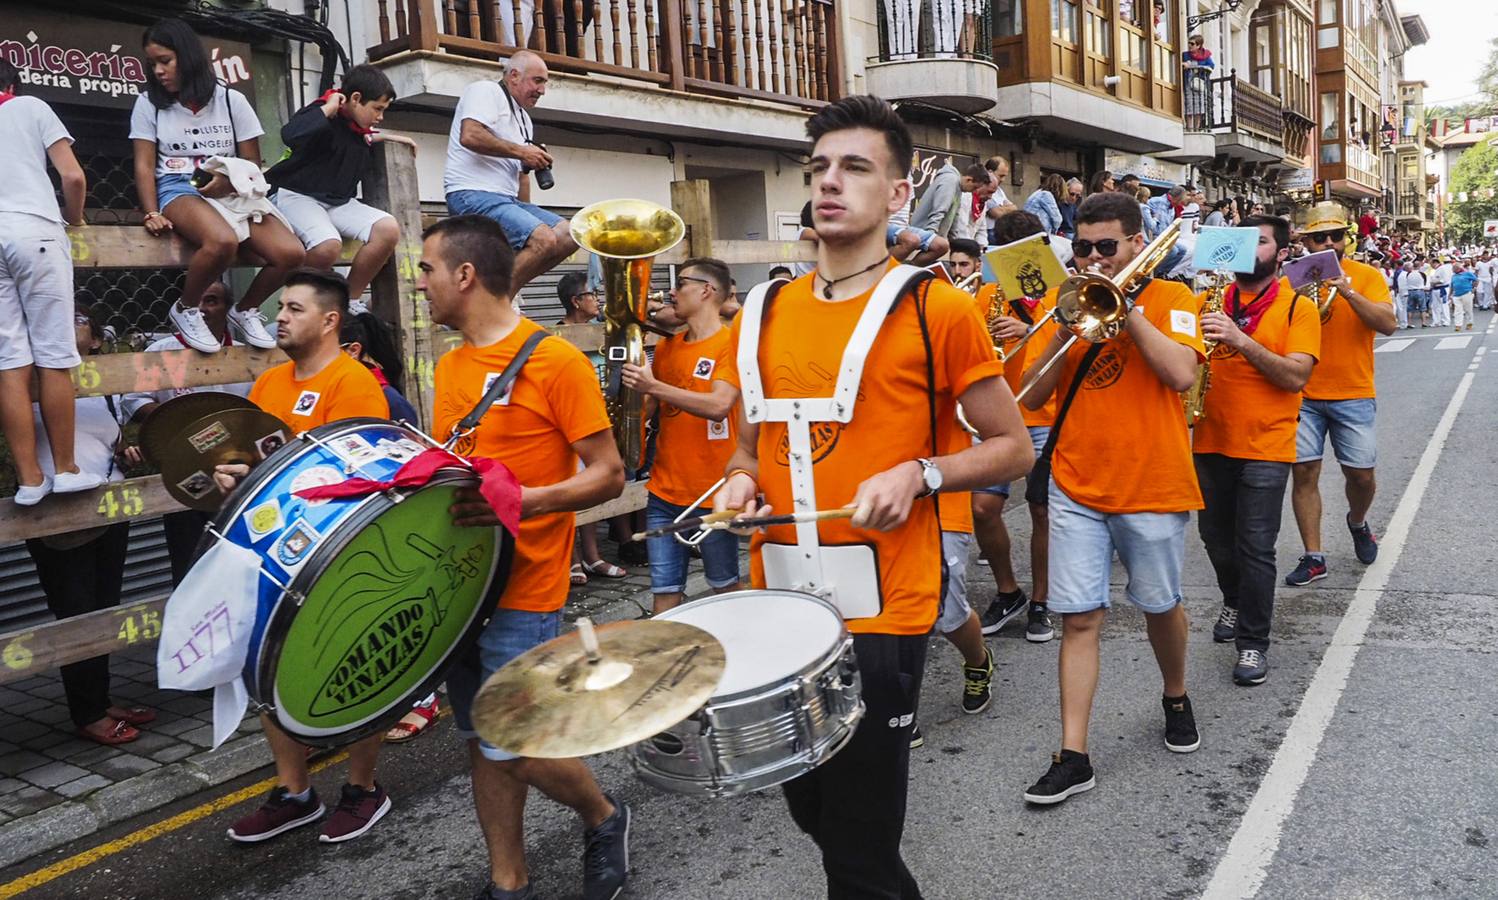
(522, 119)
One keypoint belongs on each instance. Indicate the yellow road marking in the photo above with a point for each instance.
(150, 832)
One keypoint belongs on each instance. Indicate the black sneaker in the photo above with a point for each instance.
(1364, 544)
(1180, 725)
(1070, 773)
(917, 740)
(1038, 630)
(1227, 625)
(606, 855)
(977, 686)
(1003, 608)
(1311, 568)
(498, 893)
(1252, 668)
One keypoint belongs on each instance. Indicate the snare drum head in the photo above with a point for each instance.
(767, 636)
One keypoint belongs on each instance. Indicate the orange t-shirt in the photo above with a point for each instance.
(957, 506)
(554, 403)
(1246, 417)
(1345, 371)
(344, 389)
(1015, 364)
(800, 352)
(1124, 446)
(691, 452)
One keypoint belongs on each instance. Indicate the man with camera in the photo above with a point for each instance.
(491, 153)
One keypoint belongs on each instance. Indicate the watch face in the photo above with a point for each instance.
(932, 475)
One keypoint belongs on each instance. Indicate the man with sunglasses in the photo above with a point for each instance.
(697, 435)
(1339, 398)
(1122, 480)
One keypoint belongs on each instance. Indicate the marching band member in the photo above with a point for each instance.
(552, 414)
(687, 385)
(871, 435)
(319, 384)
(1339, 398)
(1267, 343)
(1122, 480)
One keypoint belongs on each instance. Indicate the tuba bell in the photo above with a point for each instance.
(626, 235)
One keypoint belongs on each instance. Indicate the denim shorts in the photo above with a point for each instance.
(955, 608)
(1351, 425)
(517, 218)
(510, 633)
(892, 234)
(669, 557)
(170, 187)
(1038, 436)
(1151, 546)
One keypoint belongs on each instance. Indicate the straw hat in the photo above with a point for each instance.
(1328, 215)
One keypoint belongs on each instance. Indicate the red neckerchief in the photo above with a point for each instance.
(6, 97)
(1199, 55)
(379, 375)
(1029, 303)
(1247, 317)
(977, 206)
(347, 120)
(228, 339)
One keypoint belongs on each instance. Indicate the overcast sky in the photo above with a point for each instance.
(1459, 35)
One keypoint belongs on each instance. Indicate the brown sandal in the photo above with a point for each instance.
(121, 733)
(135, 715)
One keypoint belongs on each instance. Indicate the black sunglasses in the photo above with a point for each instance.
(681, 278)
(1326, 237)
(1105, 247)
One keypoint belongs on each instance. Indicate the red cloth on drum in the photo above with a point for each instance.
(497, 483)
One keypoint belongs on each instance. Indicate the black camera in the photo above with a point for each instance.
(544, 179)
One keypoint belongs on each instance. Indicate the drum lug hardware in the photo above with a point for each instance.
(394, 495)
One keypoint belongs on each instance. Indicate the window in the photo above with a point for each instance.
(1127, 12)
(1064, 20)
(1261, 54)
(1008, 18)
(1408, 167)
(1163, 17)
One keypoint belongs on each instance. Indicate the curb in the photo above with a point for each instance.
(72, 820)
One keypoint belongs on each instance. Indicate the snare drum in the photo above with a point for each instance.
(789, 697)
(363, 601)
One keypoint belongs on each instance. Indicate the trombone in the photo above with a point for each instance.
(1094, 307)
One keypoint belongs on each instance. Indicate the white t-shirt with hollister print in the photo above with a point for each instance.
(185, 138)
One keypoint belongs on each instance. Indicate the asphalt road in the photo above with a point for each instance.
(1383, 789)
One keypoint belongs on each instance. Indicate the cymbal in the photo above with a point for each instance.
(555, 702)
(167, 420)
(229, 436)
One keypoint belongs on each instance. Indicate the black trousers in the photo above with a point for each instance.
(1239, 526)
(853, 805)
(183, 530)
(77, 581)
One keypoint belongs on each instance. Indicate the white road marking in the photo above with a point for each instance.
(1394, 346)
(1454, 343)
(1245, 864)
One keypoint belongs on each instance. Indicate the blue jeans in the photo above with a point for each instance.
(510, 633)
(1350, 423)
(1239, 527)
(518, 219)
(669, 557)
(1418, 301)
(1151, 547)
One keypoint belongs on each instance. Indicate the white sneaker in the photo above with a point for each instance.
(72, 482)
(195, 332)
(32, 494)
(249, 326)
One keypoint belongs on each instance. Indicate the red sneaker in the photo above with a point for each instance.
(356, 813)
(279, 814)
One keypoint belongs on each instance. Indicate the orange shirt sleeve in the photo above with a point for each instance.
(1180, 317)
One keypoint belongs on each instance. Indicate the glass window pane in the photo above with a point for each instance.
(1162, 19)
(1008, 18)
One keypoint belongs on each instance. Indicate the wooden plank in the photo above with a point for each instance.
(692, 200)
(124, 373)
(131, 247)
(632, 499)
(133, 498)
(35, 650)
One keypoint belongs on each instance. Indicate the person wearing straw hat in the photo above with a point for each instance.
(1338, 400)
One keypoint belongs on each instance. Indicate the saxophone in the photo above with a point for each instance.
(1195, 398)
(996, 311)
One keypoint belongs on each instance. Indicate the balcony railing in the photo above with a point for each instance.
(943, 29)
(1411, 206)
(782, 50)
(1228, 104)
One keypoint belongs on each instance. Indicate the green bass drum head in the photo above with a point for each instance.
(390, 603)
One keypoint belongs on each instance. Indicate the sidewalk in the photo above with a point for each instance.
(56, 788)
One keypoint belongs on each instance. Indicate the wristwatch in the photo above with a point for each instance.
(931, 475)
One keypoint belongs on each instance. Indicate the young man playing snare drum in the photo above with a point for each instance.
(930, 351)
(320, 384)
(552, 415)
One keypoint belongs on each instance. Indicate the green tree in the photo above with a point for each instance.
(1475, 176)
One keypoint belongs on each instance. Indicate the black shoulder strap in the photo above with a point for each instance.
(501, 384)
(1020, 312)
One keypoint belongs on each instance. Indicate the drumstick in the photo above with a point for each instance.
(728, 519)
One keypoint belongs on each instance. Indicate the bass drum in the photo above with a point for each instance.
(364, 602)
(788, 700)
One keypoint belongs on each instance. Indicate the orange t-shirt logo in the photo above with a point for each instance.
(704, 368)
(306, 403)
(504, 397)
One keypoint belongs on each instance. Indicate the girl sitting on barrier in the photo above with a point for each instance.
(184, 118)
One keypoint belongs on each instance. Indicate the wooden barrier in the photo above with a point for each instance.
(393, 187)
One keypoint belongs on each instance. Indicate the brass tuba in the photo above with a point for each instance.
(1094, 307)
(626, 235)
(1195, 398)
